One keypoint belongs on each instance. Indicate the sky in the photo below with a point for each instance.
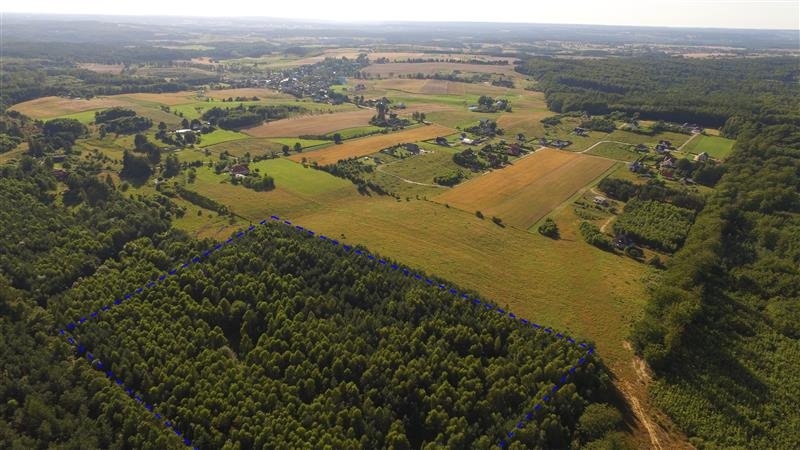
(774, 14)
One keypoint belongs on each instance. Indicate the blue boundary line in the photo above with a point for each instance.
(131, 393)
(353, 251)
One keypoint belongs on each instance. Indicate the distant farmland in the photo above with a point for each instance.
(526, 191)
(372, 144)
(436, 67)
(319, 124)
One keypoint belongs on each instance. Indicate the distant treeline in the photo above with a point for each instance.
(673, 89)
(28, 80)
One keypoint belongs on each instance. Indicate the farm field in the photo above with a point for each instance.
(371, 144)
(527, 190)
(320, 124)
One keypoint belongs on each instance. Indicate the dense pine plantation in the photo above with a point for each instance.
(280, 341)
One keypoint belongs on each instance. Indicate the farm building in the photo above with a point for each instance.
(581, 131)
(467, 141)
(240, 169)
(600, 200)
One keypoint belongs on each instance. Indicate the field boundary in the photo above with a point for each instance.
(348, 249)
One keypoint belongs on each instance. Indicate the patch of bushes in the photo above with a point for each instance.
(593, 236)
(549, 228)
(660, 225)
(451, 178)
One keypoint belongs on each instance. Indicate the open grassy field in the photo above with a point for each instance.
(394, 69)
(256, 147)
(261, 93)
(525, 122)
(717, 147)
(319, 124)
(527, 190)
(115, 69)
(677, 139)
(220, 135)
(299, 179)
(614, 150)
(371, 144)
(47, 107)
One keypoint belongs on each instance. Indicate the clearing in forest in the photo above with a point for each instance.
(530, 188)
(372, 144)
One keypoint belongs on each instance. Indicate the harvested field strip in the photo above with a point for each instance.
(529, 189)
(372, 144)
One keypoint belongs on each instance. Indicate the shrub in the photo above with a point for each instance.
(479, 214)
(497, 221)
(549, 228)
(592, 235)
(597, 420)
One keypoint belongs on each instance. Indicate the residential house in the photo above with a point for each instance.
(240, 169)
(581, 131)
(412, 148)
(560, 143)
(60, 174)
(600, 200)
(467, 141)
(668, 162)
(623, 241)
(514, 149)
(702, 157)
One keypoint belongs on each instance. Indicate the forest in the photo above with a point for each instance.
(280, 342)
(705, 91)
(722, 329)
